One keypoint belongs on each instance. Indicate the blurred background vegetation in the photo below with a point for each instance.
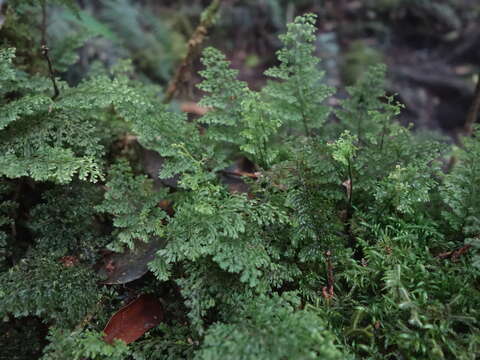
(431, 47)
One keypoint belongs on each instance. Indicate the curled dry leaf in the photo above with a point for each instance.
(133, 320)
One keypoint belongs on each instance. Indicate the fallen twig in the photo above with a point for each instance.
(197, 38)
(250, 175)
(455, 254)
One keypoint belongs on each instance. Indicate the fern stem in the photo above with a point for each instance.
(45, 49)
(350, 178)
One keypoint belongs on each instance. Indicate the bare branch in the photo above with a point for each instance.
(196, 40)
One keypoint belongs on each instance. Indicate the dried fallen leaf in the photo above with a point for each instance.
(133, 320)
(121, 268)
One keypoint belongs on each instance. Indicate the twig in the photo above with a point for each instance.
(239, 173)
(45, 49)
(56, 92)
(196, 40)
(455, 254)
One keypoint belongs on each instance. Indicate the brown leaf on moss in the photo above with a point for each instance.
(133, 320)
(121, 268)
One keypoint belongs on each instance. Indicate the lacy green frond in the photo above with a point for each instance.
(298, 94)
(134, 205)
(263, 330)
(224, 95)
(41, 285)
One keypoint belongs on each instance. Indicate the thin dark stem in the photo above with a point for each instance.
(327, 291)
(359, 126)
(44, 49)
(330, 277)
(264, 148)
(302, 112)
(300, 98)
(56, 91)
(302, 107)
(305, 126)
(350, 177)
(383, 135)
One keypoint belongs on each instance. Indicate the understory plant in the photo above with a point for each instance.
(288, 228)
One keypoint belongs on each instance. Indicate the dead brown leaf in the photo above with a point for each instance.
(133, 320)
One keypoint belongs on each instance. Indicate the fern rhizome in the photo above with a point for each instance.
(335, 234)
